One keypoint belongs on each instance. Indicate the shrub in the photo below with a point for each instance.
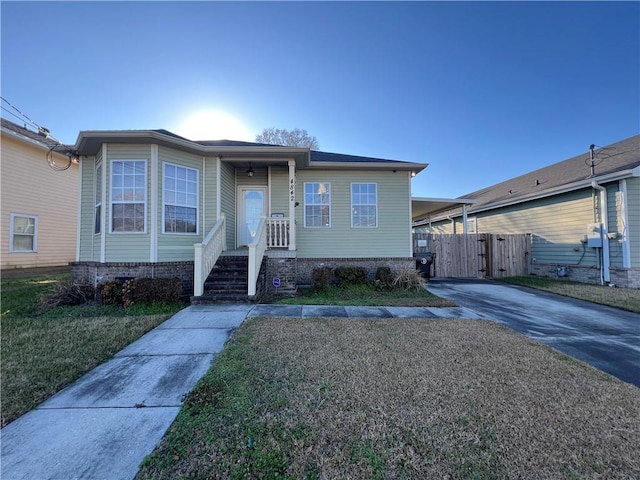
(111, 292)
(321, 278)
(351, 275)
(66, 294)
(151, 290)
(384, 275)
(409, 279)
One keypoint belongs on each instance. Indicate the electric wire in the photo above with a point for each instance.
(56, 146)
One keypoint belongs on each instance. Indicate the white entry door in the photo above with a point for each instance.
(252, 204)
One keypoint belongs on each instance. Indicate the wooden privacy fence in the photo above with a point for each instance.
(477, 255)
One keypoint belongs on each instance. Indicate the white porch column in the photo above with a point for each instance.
(292, 204)
(464, 219)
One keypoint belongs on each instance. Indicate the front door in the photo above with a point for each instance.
(252, 204)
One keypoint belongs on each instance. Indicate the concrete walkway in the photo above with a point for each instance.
(102, 426)
(604, 337)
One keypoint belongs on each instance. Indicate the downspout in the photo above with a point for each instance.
(604, 232)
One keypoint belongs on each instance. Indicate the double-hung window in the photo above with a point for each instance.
(180, 199)
(317, 204)
(364, 205)
(128, 196)
(24, 233)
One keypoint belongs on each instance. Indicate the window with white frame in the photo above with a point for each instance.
(128, 195)
(24, 233)
(364, 205)
(97, 221)
(180, 199)
(317, 204)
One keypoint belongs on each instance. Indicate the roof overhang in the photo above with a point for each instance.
(570, 187)
(425, 208)
(89, 142)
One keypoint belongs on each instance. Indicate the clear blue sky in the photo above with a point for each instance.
(482, 91)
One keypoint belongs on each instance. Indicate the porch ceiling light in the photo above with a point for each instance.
(250, 172)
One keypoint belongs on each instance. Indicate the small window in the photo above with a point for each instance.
(128, 196)
(317, 205)
(24, 233)
(180, 199)
(364, 205)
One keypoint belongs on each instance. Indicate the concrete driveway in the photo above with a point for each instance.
(607, 338)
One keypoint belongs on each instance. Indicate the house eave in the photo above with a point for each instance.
(570, 187)
(89, 142)
(390, 166)
(42, 146)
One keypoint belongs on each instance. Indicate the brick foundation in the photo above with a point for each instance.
(96, 272)
(621, 277)
(291, 271)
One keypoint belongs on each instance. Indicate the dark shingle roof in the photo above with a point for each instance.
(342, 158)
(233, 143)
(620, 156)
(14, 127)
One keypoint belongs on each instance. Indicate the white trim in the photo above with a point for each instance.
(146, 196)
(291, 194)
(304, 213)
(240, 207)
(176, 204)
(268, 213)
(97, 201)
(103, 236)
(363, 204)
(12, 233)
(202, 182)
(218, 189)
(79, 215)
(153, 237)
(624, 214)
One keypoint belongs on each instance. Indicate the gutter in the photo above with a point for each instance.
(570, 187)
(605, 276)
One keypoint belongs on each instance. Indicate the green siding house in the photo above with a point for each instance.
(583, 214)
(153, 204)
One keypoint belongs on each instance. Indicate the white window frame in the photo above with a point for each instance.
(12, 232)
(472, 225)
(304, 192)
(175, 204)
(364, 205)
(121, 202)
(97, 211)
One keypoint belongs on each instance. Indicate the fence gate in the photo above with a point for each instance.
(481, 255)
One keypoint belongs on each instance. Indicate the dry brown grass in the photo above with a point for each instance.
(410, 398)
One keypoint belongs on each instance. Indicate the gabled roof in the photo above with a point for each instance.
(38, 138)
(612, 162)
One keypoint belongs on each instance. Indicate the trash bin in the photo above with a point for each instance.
(423, 264)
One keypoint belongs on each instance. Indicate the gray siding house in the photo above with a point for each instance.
(583, 214)
(154, 204)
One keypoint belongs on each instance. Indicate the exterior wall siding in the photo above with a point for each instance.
(279, 198)
(209, 195)
(89, 243)
(30, 187)
(228, 201)
(633, 213)
(178, 246)
(392, 236)
(127, 247)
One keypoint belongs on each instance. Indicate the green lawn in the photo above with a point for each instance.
(365, 295)
(623, 298)
(324, 398)
(42, 352)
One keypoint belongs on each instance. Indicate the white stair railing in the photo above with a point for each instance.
(256, 253)
(207, 254)
(277, 232)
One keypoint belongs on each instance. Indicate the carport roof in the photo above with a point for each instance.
(424, 207)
